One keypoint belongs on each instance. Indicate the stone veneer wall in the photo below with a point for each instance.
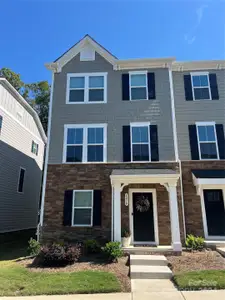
(192, 202)
(97, 176)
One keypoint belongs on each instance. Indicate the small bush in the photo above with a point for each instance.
(113, 251)
(34, 247)
(92, 246)
(59, 255)
(194, 243)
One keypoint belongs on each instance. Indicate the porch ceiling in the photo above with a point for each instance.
(208, 179)
(128, 176)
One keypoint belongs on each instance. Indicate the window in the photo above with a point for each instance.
(207, 141)
(140, 146)
(82, 214)
(21, 180)
(34, 148)
(85, 143)
(138, 86)
(1, 119)
(86, 88)
(201, 86)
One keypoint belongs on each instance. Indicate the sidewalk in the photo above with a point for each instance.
(202, 295)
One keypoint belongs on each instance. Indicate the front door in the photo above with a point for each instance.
(143, 218)
(215, 212)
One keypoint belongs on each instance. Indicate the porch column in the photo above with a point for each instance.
(174, 218)
(117, 211)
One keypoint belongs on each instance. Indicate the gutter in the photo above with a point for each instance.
(46, 157)
(174, 124)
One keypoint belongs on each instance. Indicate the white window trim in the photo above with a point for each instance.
(18, 181)
(37, 147)
(216, 141)
(140, 124)
(138, 73)
(85, 142)
(199, 74)
(83, 207)
(86, 87)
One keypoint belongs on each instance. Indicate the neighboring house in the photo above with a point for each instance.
(22, 146)
(126, 149)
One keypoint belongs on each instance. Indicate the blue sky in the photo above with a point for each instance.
(34, 32)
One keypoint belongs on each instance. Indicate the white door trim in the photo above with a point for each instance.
(207, 236)
(155, 215)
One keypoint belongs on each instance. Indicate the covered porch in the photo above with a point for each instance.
(141, 197)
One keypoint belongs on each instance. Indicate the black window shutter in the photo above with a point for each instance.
(188, 88)
(126, 143)
(151, 86)
(125, 87)
(68, 202)
(220, 140)
(193, 142)
(213, 86)
(97, 208)
(154, 143)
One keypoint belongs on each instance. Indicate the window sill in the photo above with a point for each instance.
(94, 102)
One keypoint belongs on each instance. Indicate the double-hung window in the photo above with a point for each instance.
(207, 140)
(85, 143)
(140, 142)
(201, 86)
(82, 214)
(34, 148)
(86, 88)
(138, 85)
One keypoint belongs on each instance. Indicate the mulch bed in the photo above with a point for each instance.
(92, 263)
(196, 261)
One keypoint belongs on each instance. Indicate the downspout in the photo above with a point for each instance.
(112, 214)
(174, 124)
(46, 160)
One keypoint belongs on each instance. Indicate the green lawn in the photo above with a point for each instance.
(206, 279)
(16, 280)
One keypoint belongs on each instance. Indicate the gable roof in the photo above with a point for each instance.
(27, 106)
(117, 64)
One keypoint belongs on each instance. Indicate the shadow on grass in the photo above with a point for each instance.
(14, 245)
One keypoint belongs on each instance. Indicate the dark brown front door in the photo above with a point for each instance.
(215, 212)
(143, 218)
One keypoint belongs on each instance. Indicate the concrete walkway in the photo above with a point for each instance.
(153, 295)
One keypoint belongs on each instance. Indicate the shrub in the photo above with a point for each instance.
(113, 251)
(126, 233)
(194, 242)
(59, 255)
(34, 247)
(92, 246)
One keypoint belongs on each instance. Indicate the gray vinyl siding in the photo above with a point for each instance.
(115, 112)
(18, 210)
(189, 112)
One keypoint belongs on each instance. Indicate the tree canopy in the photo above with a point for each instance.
(37, 94)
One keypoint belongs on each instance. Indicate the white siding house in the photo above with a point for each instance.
(22, 147)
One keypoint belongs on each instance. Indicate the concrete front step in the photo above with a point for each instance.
(215, 244)
(148, 260)
(150, 272)
(160, 250)
(221, 250)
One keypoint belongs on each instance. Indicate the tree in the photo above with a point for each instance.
(13, 78)
(39, 97)
(37, 94)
